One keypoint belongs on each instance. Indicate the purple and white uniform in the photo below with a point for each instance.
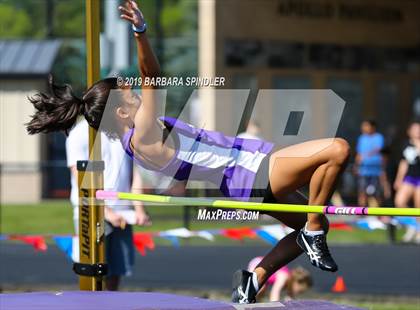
(203, 155)
(411, 154)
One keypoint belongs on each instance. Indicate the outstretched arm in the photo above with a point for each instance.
(147, 138)
(142, 217)
(147, 62)
(278, 286)
(402, 171)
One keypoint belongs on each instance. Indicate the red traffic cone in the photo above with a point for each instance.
(339, 285)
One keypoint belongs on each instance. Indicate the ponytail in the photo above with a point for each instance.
(57, 110)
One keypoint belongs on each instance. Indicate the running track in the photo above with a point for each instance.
(367, 269)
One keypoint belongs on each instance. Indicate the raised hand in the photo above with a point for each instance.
(115, 219)
(131, 12)
(142, 218)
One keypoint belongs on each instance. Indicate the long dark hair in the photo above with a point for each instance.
(59, 109)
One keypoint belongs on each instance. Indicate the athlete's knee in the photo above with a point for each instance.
(340, 151)
(400, 200)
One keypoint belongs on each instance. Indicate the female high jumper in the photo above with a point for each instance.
(247, 161)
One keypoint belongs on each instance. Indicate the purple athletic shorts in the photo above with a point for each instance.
(415, 181)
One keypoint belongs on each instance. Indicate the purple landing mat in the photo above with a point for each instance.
(79, 300)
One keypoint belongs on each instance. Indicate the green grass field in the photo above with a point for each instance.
(55, 217)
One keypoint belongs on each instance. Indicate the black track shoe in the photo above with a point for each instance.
(317, 249)
(243, 289)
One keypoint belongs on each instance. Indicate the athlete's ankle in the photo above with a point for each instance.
(261, 276)
(313, 229)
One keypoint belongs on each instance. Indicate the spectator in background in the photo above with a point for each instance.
(372, 180)
(387, 193)
(118, 176)
(407, 181)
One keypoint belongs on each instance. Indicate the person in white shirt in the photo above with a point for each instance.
(253, 131)
(118, 176)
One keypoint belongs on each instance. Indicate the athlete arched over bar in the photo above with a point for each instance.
(134, 121)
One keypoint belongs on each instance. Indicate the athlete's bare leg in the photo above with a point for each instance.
(321, 163)
(287, 173)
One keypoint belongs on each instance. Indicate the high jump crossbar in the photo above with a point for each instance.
(256, 206)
